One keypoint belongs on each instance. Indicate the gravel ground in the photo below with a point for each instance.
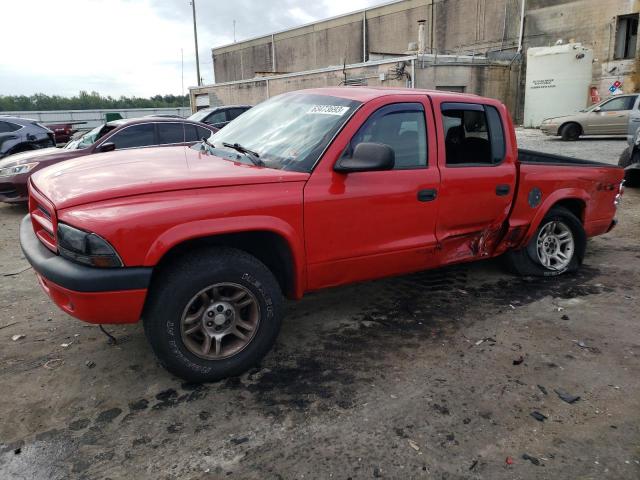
(426, 376)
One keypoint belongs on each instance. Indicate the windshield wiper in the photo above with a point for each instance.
(253, 156)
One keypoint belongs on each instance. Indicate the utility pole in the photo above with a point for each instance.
(195, 35)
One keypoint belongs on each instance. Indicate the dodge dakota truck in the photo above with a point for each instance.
(308, 190)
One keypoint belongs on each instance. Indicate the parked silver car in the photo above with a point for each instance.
(609, 117)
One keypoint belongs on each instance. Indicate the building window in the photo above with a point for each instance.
(626, 36)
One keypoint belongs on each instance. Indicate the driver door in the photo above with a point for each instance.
(365, 225)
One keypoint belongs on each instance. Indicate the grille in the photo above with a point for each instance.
(43, 218)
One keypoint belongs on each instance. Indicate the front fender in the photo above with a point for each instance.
(222, 226)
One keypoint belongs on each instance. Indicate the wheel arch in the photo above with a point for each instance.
(281, 251)
(574, 200)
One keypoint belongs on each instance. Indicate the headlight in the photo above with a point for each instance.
(87, 248)
(17, 169)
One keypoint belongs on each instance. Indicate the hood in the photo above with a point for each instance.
(147, 170)
(43, 155)
(555, 119)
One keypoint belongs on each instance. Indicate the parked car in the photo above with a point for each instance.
(123, 134)
(609, 117)
(64, 132)
(219, 116)
(22, 134)
(630, 158)
(307, 190)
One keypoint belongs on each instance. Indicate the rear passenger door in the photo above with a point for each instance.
(478, 178)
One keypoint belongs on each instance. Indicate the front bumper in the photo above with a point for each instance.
(95, 295)
(549, 129)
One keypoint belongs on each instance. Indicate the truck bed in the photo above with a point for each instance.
(541, 158)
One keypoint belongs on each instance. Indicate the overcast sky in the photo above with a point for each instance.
(132, 47)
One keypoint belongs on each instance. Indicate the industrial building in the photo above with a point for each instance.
(475, 46)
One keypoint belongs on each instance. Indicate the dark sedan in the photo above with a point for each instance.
(219, 116)
(22, 134)
(119, 134)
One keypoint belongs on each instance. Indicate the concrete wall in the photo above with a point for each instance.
(335, 41)
(256, 90)
(494, 79)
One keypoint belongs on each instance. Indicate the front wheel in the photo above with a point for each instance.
(570, 132)
(214, 314)
(557, 247)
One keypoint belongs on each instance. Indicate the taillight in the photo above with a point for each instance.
(618, 197)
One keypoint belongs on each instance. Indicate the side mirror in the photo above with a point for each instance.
(597, 109)
(368, 157)
(106, 147)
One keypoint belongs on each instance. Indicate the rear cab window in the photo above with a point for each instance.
(474, 134)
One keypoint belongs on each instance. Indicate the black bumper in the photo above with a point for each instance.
(73, 276)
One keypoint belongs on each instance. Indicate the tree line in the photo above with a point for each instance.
(87, 101)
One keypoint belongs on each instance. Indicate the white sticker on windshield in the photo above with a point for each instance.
(329, 110)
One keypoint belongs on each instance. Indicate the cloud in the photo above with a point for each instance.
(133, 47)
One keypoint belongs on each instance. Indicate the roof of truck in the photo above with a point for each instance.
(365, 94)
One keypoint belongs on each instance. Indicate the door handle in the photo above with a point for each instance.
(502, 190)
(427, 195)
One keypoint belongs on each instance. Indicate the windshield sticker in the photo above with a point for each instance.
(329, 110)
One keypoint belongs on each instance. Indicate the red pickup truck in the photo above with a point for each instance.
(307, 190)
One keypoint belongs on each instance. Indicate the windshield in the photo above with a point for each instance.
(87, 139)
(290, 131)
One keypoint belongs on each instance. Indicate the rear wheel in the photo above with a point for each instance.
(214, 314)
(570, 132)
(556, 248)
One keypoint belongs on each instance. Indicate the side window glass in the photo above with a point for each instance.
(134, 136)
(203, 133)
(170, 133)
(401, 127)
(622, 103)
(466, 136)
(6, 127)
(217, 117)
(234, 113)
(496, 134)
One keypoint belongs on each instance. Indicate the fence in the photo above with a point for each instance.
(93, 118)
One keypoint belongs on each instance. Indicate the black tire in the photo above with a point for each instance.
(174, 289)
(632, 178)
(570, 132)
(526, 261)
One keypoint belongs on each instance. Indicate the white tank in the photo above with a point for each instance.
(558, 81)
